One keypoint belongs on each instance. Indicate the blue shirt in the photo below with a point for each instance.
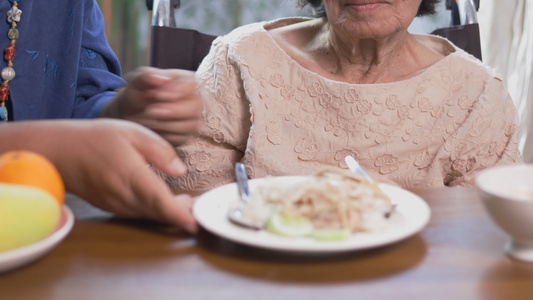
(64, 66)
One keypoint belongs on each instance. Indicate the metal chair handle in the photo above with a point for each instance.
(163, 12)
(467, 12)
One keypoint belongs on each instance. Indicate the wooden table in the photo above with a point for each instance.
(459, 255)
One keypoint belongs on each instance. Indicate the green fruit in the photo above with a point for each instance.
(27, 215)
(331, 234)
(284, 225)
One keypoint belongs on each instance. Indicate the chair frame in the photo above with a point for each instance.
(172, 47)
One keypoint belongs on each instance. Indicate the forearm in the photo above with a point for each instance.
(57, 140)
(37, 136)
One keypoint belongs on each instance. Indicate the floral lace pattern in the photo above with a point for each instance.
(262, 108)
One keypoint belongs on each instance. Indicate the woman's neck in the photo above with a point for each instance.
(368, 60)
(315, 46)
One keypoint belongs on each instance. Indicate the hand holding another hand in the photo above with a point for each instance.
(164, 100)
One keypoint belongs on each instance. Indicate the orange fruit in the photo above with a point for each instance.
(31, 169)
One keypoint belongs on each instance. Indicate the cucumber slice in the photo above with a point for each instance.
(331, 234)
(283, 225)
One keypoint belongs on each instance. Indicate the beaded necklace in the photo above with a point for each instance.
(8, 73)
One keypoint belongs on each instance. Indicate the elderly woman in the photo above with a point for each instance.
(288, 96)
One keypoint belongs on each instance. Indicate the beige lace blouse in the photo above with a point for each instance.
(262, 108)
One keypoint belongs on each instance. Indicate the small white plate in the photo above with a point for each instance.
(20, 256)
(211, 210)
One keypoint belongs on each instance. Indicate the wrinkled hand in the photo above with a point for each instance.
(105, 161)
(164, 100)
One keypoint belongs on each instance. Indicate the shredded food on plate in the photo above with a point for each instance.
(332, 198)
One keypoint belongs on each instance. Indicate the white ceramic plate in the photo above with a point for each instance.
(20, 256)
(211, 210)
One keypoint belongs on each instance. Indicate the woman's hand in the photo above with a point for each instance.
(164, 100)
(105, 162)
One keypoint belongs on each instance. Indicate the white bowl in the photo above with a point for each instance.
(507, 193)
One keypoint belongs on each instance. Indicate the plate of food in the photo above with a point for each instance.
(20, 256)
(330, 211)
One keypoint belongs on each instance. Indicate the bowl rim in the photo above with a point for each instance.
(18, 257)
(507, 197)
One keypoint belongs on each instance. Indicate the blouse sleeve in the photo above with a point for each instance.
(221, 141)
(488, 137)
(99, 73)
